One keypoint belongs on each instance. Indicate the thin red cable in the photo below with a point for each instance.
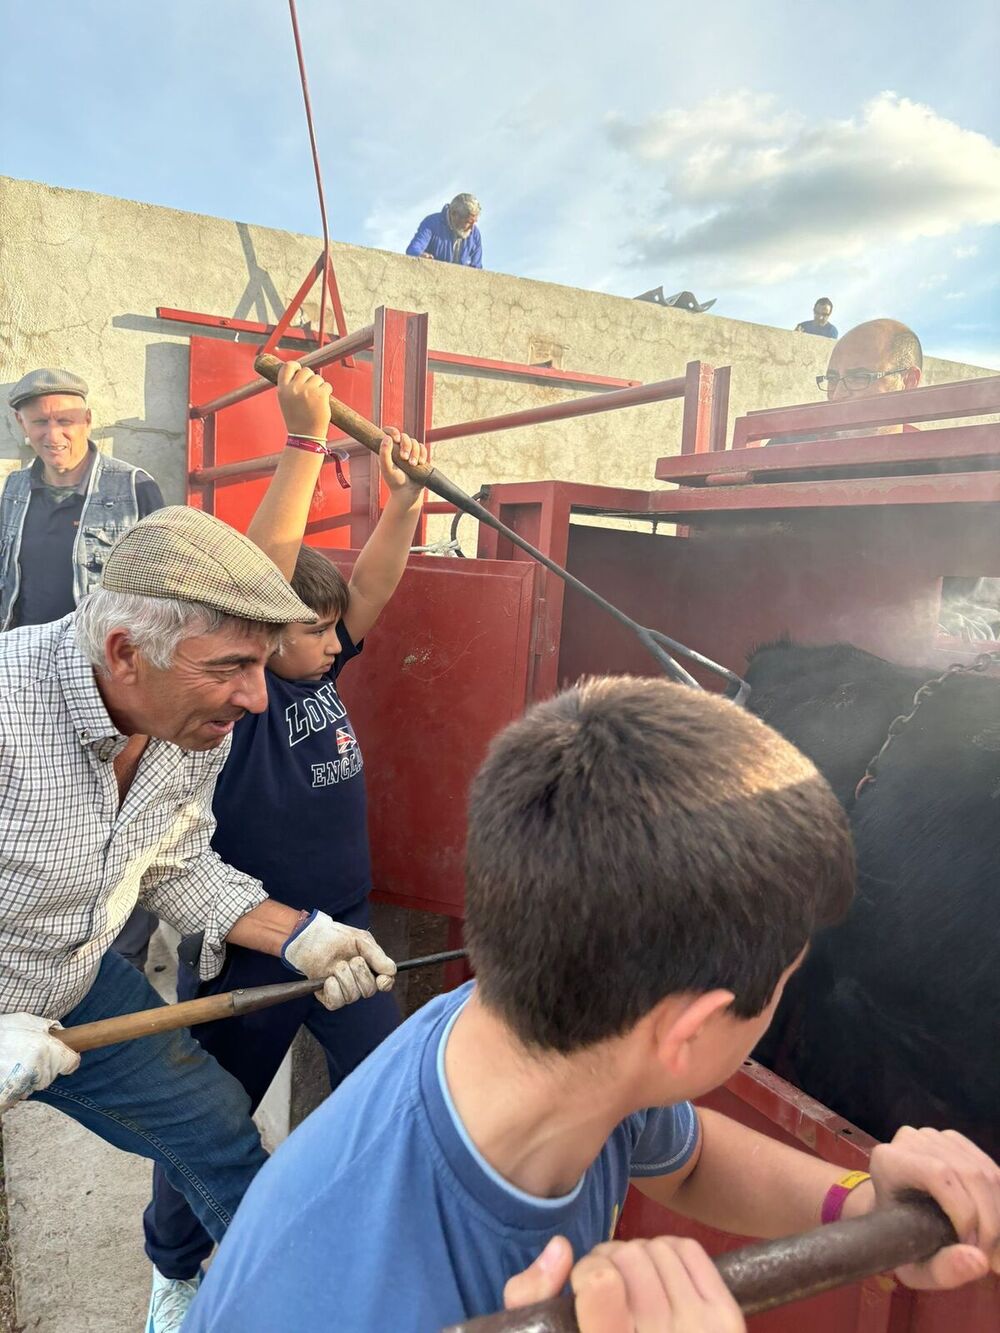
(319, 175)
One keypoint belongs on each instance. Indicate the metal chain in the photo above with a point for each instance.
(982, 663)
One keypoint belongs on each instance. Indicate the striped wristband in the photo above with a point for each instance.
(836, 1195)
(310, 443)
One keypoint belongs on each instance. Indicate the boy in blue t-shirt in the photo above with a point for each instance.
(290, 803)
(645, 865)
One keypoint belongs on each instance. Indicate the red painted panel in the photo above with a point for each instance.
(255, 428)
(442, 672)
(870, 455)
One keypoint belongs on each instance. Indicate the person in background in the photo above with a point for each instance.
(58, 520)
(820, 322)
(451, 235)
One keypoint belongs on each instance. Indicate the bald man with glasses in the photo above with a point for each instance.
(880, 356)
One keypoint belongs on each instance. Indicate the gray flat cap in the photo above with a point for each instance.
(38, 383)
(187, 554)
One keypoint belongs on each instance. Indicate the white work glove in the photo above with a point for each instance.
(30, 1058)
(352, 963)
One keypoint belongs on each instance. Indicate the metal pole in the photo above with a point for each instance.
(574, 407)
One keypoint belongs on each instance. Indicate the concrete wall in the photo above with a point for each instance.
(81, 276)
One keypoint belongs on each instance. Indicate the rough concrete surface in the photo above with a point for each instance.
(81, 276)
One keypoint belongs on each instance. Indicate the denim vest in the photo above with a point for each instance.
(109, 509)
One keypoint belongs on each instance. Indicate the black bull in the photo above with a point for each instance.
(895, 1016)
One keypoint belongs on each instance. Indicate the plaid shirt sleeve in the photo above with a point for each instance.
(192, 888)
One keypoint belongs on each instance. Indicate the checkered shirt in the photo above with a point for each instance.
(72, 865)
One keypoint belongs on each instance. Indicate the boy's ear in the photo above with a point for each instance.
(675, 1029)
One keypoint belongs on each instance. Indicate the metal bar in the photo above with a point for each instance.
(294, 305)
(262, 465)
(960, 443)
(329, 278)
(337, 350)
(658, 392)
(965, 398)
(455, 363)
(856, 492)
(446, 363)
(697, 420)
(233, 325)
(720, 407)
(777, 1272)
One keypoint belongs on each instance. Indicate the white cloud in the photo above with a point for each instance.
(965, 251)
(753, 194)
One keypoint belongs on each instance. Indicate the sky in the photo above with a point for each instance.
(763, 154)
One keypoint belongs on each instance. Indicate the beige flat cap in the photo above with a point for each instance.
(185, 553)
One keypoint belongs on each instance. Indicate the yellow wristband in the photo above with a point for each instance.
(836, 1195)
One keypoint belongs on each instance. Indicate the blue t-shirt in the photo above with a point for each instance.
(823, 330)
(378, 1213)
(290, 801)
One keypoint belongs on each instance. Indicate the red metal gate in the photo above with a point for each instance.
(837, 539)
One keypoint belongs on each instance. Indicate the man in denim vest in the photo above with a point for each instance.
(60, 516)
(58, 519)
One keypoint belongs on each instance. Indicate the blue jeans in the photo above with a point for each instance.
(164, 1098)
(251, 1048)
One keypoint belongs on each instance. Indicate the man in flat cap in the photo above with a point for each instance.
(451, 235)
(58, 519)
(114, 723)
(60, 516)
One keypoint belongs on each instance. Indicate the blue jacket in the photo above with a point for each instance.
(434, 236)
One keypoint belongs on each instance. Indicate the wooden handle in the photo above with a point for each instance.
(779, 1271)
(187, 1014)
(350, 422)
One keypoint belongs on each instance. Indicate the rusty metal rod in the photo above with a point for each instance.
(246, 1000)
(777, 1272)
(661, 646)
(657, 392)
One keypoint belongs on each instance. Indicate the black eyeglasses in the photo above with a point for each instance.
(854, 380)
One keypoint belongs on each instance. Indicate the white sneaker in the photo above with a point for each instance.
(170, 1301)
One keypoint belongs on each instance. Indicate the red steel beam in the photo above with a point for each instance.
(322, 356)
(224, 322)
(456, 363)
(854, 492)
(951, 442)
(937, 402)
(657, 392)
(262, 464)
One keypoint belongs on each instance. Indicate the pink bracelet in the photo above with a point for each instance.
(836, 1195)
(309, 443)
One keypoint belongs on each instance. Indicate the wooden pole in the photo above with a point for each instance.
(168, 1017)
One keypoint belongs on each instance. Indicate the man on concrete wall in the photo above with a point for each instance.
(58, 519)
(451, 235)
(820, 322)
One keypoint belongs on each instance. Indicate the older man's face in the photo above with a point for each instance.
(857, 359)
(213, 681)
(56, 426)
(462, 223)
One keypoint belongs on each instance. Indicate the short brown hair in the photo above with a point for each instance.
(633, 839)
(319, 583)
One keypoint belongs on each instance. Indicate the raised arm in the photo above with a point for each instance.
(380, 565)
(280, 521)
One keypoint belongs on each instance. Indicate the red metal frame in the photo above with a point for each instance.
(467, 644)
